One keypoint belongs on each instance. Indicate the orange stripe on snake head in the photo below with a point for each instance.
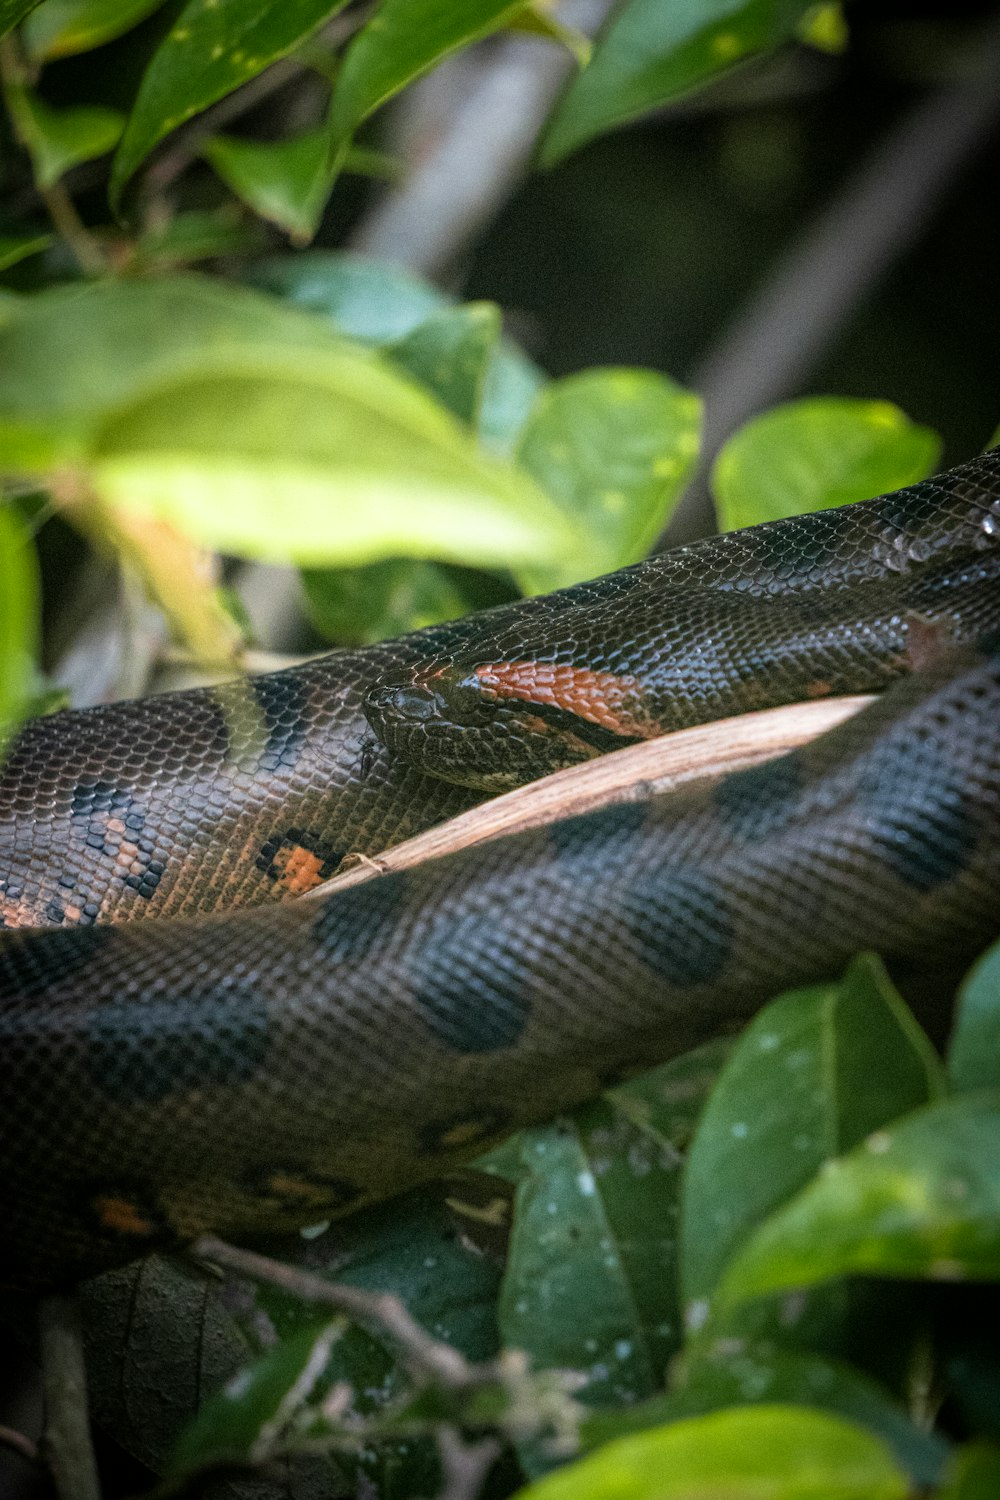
(601, 697)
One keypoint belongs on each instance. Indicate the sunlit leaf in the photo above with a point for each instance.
(742, 1453)
(974, 1055)
(920, 1198)
(812, 454)
(18, 618)
(60, 28)
(285, 181)
(615, 448)
(649, 53)
(212, 48)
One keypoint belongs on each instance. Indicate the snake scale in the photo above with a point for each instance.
(255, 1069)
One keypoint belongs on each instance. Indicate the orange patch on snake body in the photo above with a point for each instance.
(123, 1216)
(601, 697)
(300, 869)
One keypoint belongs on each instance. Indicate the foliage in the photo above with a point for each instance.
(732, 1276)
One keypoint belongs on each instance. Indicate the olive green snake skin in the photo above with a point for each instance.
(258, 1069)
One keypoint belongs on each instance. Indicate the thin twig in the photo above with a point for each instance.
(66, 1444)
(19, 1442)
(380, 1313)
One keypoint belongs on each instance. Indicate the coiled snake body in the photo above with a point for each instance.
(261, 1069)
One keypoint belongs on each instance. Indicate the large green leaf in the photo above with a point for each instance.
(815, 1072)
(743, 1453)
(318, 457)
(615, 448)
(18, 618)
(59, 28)
(920, 1198)
(812, 454)
(13, 11)
(974, 1055)
(402, 40)
(742, 1376)
(212, 48)
(651, 52)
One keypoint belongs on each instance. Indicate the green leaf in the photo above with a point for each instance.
(356, 606)
(974, 1055)
(920, 1198)
(589, 1282)
(318, 458)
(285, 182)
(194, 236)
(18, 247)
(243, 1421)
(649, 53)
(401, 41)
(744, 1453)
(18, 618)
(615, 448)
(814, 1073)
(451, 353)
(744, 1376)
(537, 19)
(58, 139)
(212, 48)
(974, 1475)
(60, 28)
(13, 11)
(362, 298)
(812, 454)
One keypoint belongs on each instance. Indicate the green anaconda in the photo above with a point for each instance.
(270, 1067)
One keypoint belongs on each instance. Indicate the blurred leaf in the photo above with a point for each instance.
(242, 1422)
(362, 298)
(649, 53)
(614, 448)
(356, 606)
(318, 457)
(194, 236)
(58, 139)
(401, 41)
(60, 28)
(451, 353)
(744, 1376)
(824, 27)
(589, 1282)
(744, 1453)
(13, 11)
(285, 181)
(538, 19)
(18, 247)
(813, 1074)
(920, 1198)
(18, 618)
(974, 1054)
(812, 454)
(212, 48)
(974, 1475)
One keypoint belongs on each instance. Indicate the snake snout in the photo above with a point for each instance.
(405, 701)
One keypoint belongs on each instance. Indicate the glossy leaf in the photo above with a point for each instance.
(60, 28)
(650, 53)
(212, 48)
(812, 454)
(743, 1453)
(589, 1280)
(920, 1198)
(451, 353)
(748, 1376)
(13, 11)
(18, 618)
(318, 458)
(14, 248)
(615, 448)
(58, 139)
(246, 1418)
(814, 1073)
(974, 1055)
(285, 181)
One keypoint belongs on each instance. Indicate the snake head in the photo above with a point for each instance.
(449, 720)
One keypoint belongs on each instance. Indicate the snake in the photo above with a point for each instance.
(186, 1049)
